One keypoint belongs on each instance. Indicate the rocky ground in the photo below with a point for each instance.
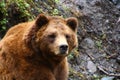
(98, 54)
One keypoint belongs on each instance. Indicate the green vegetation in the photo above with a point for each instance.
(24, 10)
(73, 73)
(55, 12)
(99, 44)
(23, 7)
(19, 9)
(57, 1)
(3, 15)
(73, 54)
(96, 77)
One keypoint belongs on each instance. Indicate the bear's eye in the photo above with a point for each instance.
(67, 36)
(52, 36)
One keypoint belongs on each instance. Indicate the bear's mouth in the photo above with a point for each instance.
(63, 53)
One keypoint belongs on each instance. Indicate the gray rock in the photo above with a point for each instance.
(117, 3)
(107, 78)
(87, 43)
(118, 59)
(91, 67)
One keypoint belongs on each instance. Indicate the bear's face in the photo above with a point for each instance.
(57, 36)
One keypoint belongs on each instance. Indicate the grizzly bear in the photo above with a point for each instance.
(38, 50)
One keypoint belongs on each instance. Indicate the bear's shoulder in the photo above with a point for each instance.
(19, 28)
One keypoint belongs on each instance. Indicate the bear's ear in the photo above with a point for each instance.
(72, 23)
(41, 20)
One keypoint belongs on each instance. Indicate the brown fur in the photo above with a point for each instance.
(29, 51)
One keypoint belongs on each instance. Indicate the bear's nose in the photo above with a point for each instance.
(63, 49)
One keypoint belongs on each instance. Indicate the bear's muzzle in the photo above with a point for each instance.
(63, 49)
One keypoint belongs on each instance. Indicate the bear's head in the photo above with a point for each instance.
(54, 36)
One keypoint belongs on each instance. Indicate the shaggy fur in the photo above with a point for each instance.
(30, 50)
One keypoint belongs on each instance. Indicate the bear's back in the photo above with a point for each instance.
(18, 29)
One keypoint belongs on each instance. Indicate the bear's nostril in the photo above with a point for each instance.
(63, 48)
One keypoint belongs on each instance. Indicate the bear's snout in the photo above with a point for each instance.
(63, 49)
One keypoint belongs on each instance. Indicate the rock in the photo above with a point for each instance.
(118, 20)
(118, 6)
(91, 67)
(87, 43)
(117, 3)
(107, 78)
(118, 59)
